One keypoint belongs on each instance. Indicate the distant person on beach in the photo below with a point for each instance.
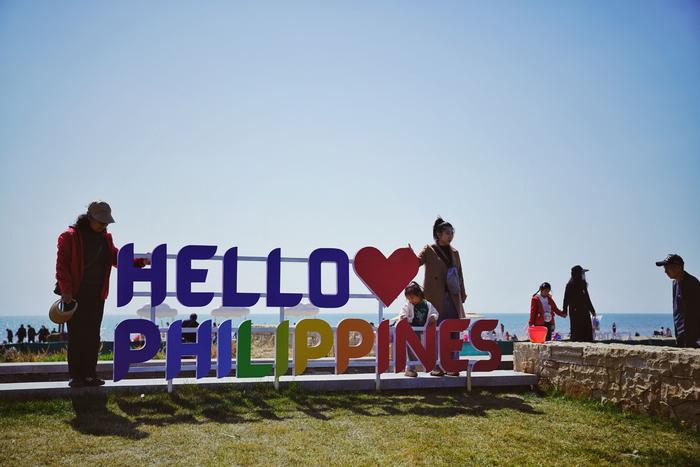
(443, 284)
(190, 323)
(686, 301)
(543, 309)
(43, 334)
(577, 304)
(21, 334)
(10, 335)
(418, 312)
(86, 254)
(31, 333)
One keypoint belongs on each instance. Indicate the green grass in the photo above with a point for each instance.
(198, 426)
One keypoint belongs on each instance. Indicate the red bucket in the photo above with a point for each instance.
(538, 334)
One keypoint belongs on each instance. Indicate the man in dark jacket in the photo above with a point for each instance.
(31, 334)
(21, 334)
(86, 254)
(43, 334)
(686, 301)
(190, 323)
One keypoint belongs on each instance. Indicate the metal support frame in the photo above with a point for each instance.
(262, 295)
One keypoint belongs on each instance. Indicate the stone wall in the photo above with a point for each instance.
(663, 381)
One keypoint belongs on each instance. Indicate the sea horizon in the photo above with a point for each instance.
(627, 324)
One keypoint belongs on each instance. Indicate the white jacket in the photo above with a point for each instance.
(407, 312)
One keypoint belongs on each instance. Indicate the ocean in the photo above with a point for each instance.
(515, 323)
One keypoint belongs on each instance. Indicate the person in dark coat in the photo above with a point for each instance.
(686, 301)
(577, 303)
(31, 333)
(21, 334)
(10, 335)
(190, 323)
(43, 334)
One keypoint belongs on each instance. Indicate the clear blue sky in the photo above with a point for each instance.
(548, 133)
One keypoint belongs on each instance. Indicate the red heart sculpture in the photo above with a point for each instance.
(386, 277)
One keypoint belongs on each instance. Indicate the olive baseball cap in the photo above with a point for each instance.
(101, 212)
(671, 259)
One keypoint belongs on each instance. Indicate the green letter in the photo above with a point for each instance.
(244, 368)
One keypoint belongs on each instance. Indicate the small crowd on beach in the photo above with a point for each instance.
(29, 333)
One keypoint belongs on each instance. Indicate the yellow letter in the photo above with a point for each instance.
(302, 351)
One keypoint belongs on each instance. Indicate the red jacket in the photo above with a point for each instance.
(537, 311)
(69, 262)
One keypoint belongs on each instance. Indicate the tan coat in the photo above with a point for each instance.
(436, 275)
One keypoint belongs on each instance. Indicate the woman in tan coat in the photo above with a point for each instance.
(444, 281)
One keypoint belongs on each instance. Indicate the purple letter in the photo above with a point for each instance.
(231, 296)
(186, 275)
(123, 354)
(128, 274)
(176, 349)
(275, 298)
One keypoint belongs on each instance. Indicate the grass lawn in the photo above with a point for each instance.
(261, 426)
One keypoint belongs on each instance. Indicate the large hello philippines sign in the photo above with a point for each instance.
(385, 277)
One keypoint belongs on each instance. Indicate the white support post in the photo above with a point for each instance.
(274, 366)
(170, 386)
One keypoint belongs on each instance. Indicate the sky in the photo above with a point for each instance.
(548, 133)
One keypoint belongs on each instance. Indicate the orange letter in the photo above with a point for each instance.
(345, 351)
(302, 351)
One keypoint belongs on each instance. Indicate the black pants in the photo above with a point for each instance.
(686, 341)
(449, 311)
(581, 327)
(84, 332)
(549, 330)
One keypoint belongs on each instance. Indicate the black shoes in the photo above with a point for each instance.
(94, 381)
(83, 382)
(77, 383)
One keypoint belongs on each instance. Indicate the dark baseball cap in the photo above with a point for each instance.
(671, 259)
(101, 212)
(578, 268)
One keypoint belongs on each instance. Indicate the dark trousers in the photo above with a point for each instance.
(411, 354)
(581, 327)
(84, 332)
(686, 341)
(449, 311)
(549, 330)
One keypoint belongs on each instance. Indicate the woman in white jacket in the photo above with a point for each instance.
(418, 312)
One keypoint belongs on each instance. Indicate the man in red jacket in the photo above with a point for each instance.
(86, 254)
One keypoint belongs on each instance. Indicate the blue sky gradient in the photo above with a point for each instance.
(548, 133)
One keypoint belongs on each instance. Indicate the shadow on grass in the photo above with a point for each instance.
(93, 417)
(195, 406)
